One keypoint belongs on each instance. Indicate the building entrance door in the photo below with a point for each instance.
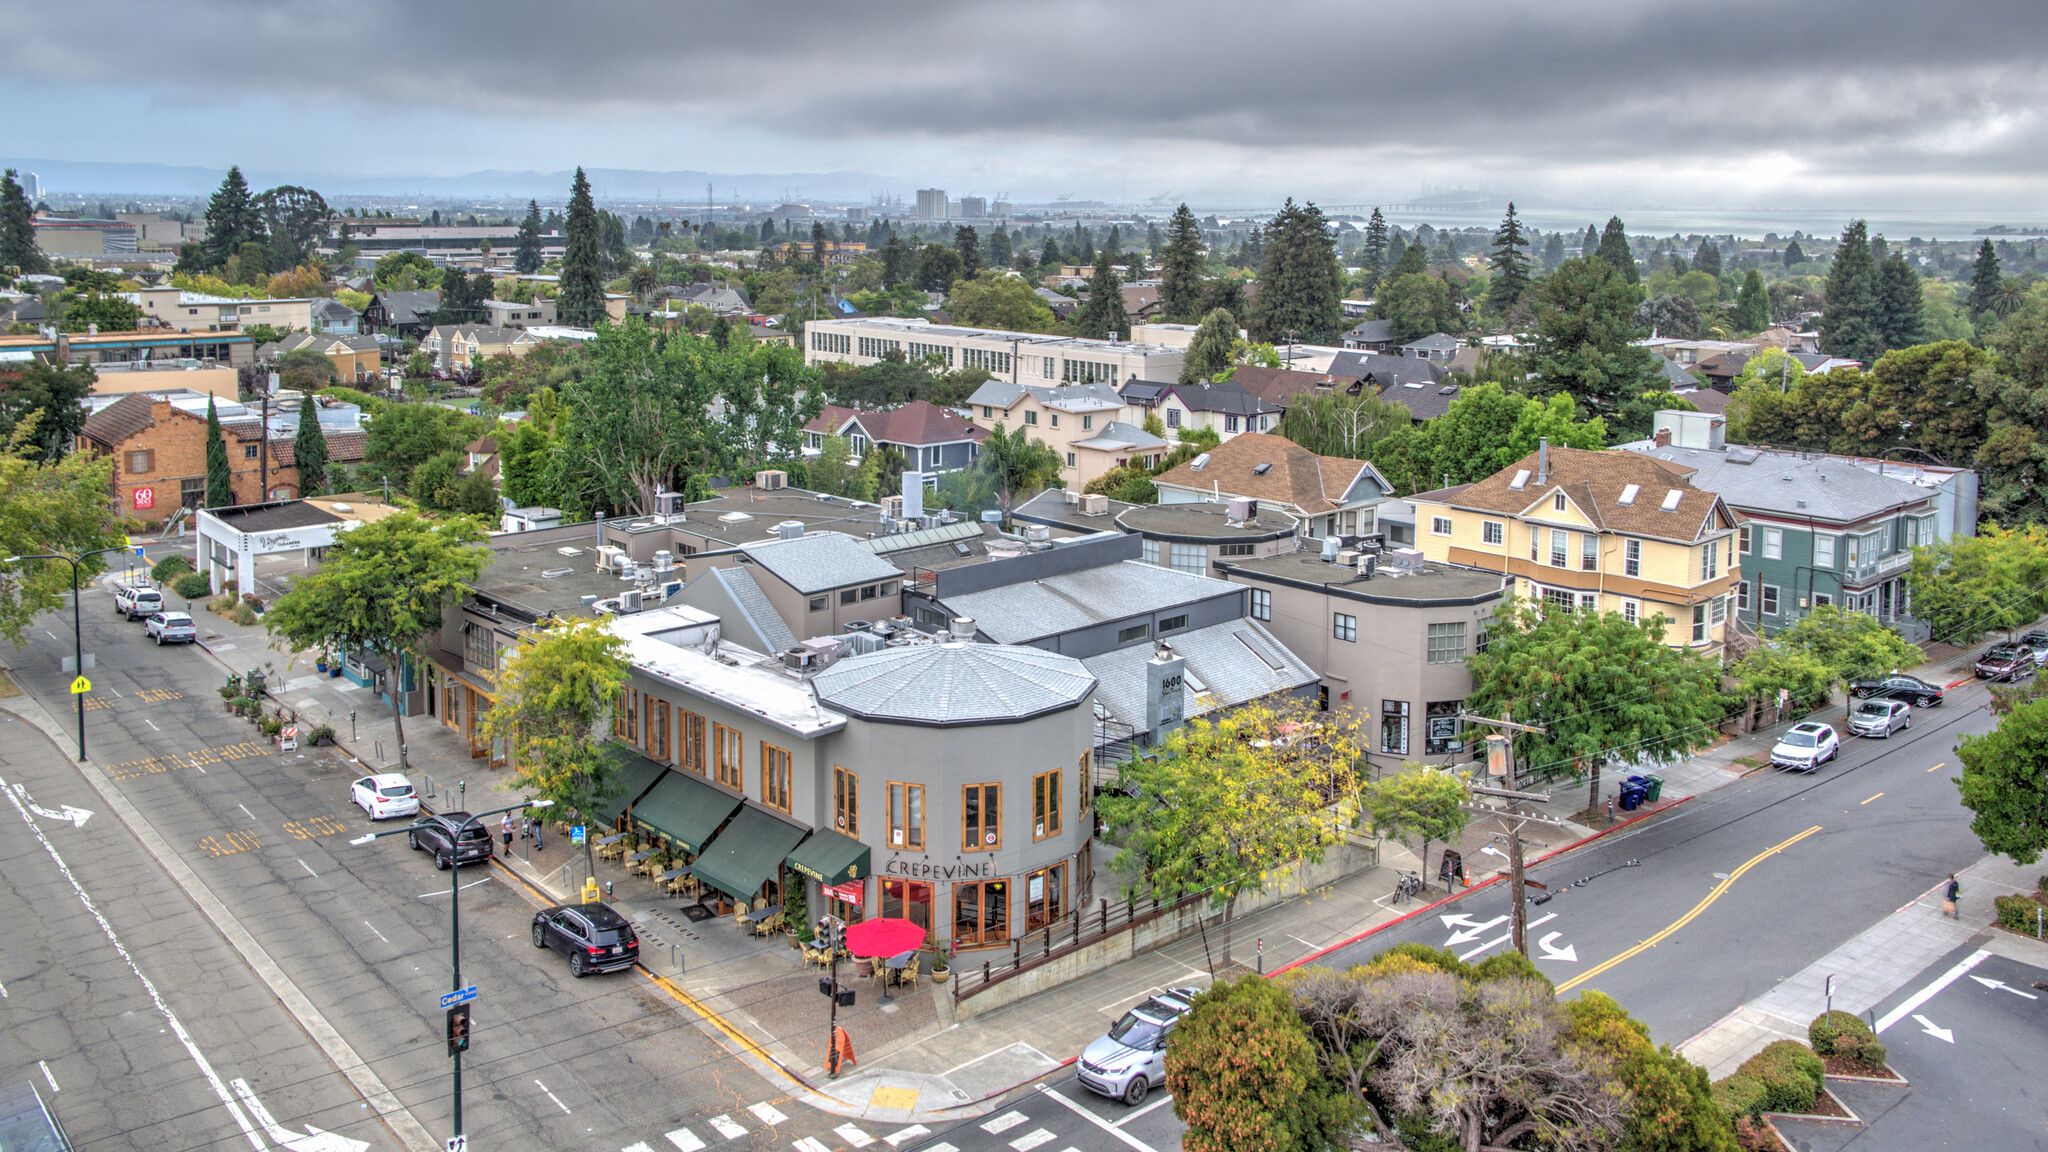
(907, 900)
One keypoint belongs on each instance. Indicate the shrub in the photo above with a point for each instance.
(270, 725)
(320, 736)
(192, 586)
(222, 604)
(243, 614)
(1740, 1095)
(1865, 1049)
(243, 703)
(1790, 1073)
(1509, 965)
(168, 567)
(1830, 1029)
(2017, 913)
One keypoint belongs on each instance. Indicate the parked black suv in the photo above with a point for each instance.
(593, 936)
(1912, 689)
(438, 834)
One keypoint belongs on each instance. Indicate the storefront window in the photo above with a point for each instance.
(907, 900)
(981, 912)
(1045, 897)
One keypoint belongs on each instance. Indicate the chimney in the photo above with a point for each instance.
(1663, 438)
(1542, 461)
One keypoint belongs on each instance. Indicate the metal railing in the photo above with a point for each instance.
(1076, 930)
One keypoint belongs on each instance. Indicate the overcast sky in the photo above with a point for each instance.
(1864, 104)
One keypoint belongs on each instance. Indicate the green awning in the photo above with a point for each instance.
(830, 858)
(746, 853)
(636, 774)
(682, 807)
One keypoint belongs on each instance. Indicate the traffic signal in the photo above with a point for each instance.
(458, 1029)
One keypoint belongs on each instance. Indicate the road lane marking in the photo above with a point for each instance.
(245, 811)
(213, 1080)
(854, 1136)
(1939, 767)
(556, 1099)
(1719, 890)
(1868, 801)
(1164, 1099)
(1099, 1122)
(810, 1144)
(152, 724)
(373, 928)
(444, 891)
(45, 1066)
(727, 1128)
(309, 869)
(767, 1114)
(1033, 1139)
(898, 1139)
(1504, 937)
(1947, 978)
(1004, 1123)
(685, 1140)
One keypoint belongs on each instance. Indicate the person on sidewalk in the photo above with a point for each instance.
(1950, 896)
(536, 835)
(505, 829)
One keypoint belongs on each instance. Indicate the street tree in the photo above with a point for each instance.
(1794, 254)
(1615, 252)
(899, 262)
(1103, 312)
(1510, 262)
(1180, 269)
(558, 690)
(768, 394)
(1211, 349)
(309, 449)
(526, 257)
(2005, 782)
(405, 436)
(220, 481)
(1016, 466)
(1985, 281)
(580, 301)
(1586, 335)
(1776, 667)
(382, 586)
(634, 423)
(1849, 324)
(1600, 685)
(1244, 1075)
(1301, 285)
(1670, 1101)
(1995, 581)
(231, 220)
(49, 504)
(1417, 806)
(1229, 803)
(18, 229)
(1852, 646)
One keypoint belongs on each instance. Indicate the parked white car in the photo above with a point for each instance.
(385, 795)
(170, 628)
(1806, 746)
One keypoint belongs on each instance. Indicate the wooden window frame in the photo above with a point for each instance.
(630, 698)
(1056, 906)
(691, 737)
(1086, 787)
(148, 461)
(1046, 803)
(775, 776)
(979, 840)
(731, 773)
(903, 832)
(657, 729)
(981, 938)
(846, 801)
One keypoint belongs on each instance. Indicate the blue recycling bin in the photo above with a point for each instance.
(1631, 797)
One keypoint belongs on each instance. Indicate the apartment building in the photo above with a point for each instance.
(1019, 357)
(1091, 425)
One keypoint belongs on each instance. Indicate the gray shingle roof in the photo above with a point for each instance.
(1372, 332)
(1017, 613)
(818, 561)
(1819, 487)
(771, 630)
(955, 684)
(1436, 342)
(1118, 435)
(1231, 663)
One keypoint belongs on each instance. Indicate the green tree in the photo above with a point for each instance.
(49, 504)
(296, 220)
(1229, 803)
(1849, 323)
(1850, 645)
(1417, 806)
(557, 693)
(1615, 252)
(581, 299)
(309, 450)
(523, 452)
(967, 242)
(1244, 1075)
(1794, 254)
(41, 409)
(1211, 351)
(1753, 304)
(405, 271)
(1901, 307)
(104, 313)
(1510, 262)
(1995, 581)
(220, 482)
(232, 220)
(899, 262)
(1567, 670)
(1301, 286)
(1128, 483)
(1773, 667)
(832, 468)
(382, 586)
(1671, 1103)
(1418, 304)
(999, 243)
(1336, 423)
(2005, 782)
(527, 258)
(1985, 281)
(1180, 269)
(1374, 253)
(18, 247)
(634, 423)
(995, 300)
(1707, 258)
(1103, 312)
(1485, 429)
(405, 436)
(1016, 466)
(1585, 336)
(938, 267)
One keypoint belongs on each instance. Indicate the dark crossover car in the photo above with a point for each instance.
(1912, 689)
(2037, 643)
(2005, 662)
(443, 834)
(594, 937)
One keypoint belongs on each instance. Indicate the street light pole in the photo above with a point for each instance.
(77, 628)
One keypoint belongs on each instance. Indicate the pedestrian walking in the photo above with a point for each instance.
(1949, 898)
(536, 835)
(505, 829)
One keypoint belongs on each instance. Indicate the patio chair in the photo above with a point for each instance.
(908, 977)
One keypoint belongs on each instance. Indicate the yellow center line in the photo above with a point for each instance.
(1682, 921)
(1868, 801)
(1939, 767)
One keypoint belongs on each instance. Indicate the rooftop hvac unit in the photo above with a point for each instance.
(963, 628)
(1094, 504)
(1070, 495)
(789, 529)
(1405, 557)
(610, 559)
(668, 503)
(629, 601)
(798, 659)
(1241, 509)
(664, 561)
(859, 625)
(824, 650)
(672, 588)
(862, 643)
(892, 507)
(1347, 558)
(606, 607)
(1038, 533)
(771, 480)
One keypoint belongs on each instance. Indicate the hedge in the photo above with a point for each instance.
(1846, 1035)
(168, 567)
(2018, 913)
(192, 585)
(1787, 1076)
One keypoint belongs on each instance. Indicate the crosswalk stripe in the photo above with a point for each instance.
(685, 1140)
(854, 1136)
(942, 1146)
(1004, 1123)
(726, 1127)
(807, 1144)
(640, 1147)
(767, 1113)
(1030, 1140)
(899, 1139)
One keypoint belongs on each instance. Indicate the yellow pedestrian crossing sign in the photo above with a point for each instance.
(81, 686)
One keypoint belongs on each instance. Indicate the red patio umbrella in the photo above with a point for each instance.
(886, 936)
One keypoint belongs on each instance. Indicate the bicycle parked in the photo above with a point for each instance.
(1410, 884)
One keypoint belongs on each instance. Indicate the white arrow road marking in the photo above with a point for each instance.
(1931, 1030)
(1505, 936)
(2002, 986)
(1569, 953)
(1473, 931)
(315, 1139)
(1455, 919)
(77, 816)
(1928, 993)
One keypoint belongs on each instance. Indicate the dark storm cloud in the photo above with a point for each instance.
(1860, 91)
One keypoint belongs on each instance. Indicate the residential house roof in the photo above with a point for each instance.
(114, 424)
(1273, 469)
(1117, 436)
(1664, 504)
(819, 561)
(1225, 665)
(1673, 373)
(1371, 332)
(1228, 398)
(1279, 386)
(1381, 369)
(1034, 610)
(328, 308)
(342, 448)
(918, 423)
(954, 684)
(1425, 400)
(1789, 483)
(1435, 342)
(1140, 300)
(1065, 397)
(408, 307)
(1143, 392)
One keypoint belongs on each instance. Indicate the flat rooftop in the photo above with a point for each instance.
(538, 580)
(1205, 522)
(1432, 582)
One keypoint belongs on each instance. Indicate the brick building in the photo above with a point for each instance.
(159, 452)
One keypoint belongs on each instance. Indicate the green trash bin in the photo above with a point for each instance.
(1653, 787)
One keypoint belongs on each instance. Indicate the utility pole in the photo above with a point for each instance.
(1500, 765)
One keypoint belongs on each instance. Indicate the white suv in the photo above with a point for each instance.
(170, 628)
(1806, 746)
(1131, 1060)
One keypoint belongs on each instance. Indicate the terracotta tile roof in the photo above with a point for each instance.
(1296, 476)
(1594, 483)
(342, 448)
(115, 423)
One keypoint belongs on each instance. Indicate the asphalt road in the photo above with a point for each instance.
(1057, 1114)
(607, 1062)
(1691, 914)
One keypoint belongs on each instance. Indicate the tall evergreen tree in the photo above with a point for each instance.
(1397, 250)
(967, 242)
(1510, 262)
(1985, 280)
(1752, 305)
(309, 450)
(1115, 244)
(18, 229)
(1590, 246)
(1708, 258)
(1209, 352)
(1900, 304)
(1849, 322)
(1153, 240)
(1410, 261)
(581, 299)
(1586, 333)
(999, 249)
(231, 219)
(1180, 269)
(1301, 286)
(1553, 252)
(1614, 249)
(220, 482)
(1134, 266)
(1103, 313)
(1050, 256)
(1794, 254)
(1376, 245)
(899, 261)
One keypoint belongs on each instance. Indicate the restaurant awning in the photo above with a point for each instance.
(746, 853)
(830, 857)
(682, 807)
(636, 774)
